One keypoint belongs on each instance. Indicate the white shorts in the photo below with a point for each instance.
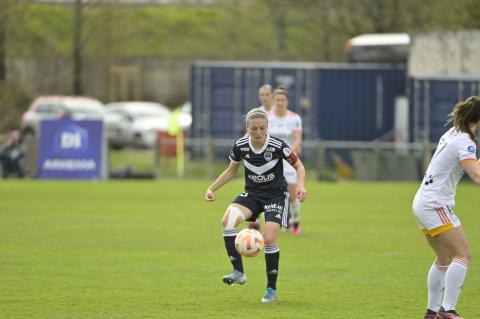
(434, 220)
(289, 172)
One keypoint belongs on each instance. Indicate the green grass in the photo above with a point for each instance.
(154, 250)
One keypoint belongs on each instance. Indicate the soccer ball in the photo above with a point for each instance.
(249, 242)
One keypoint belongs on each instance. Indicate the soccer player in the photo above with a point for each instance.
(433, 203)
(265, 191)
(287, 125)
(265, 95)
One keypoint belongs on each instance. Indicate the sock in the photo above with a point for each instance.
(235, 257)
(295, 212)
(436, 286)
(454, 279)
(272, 257)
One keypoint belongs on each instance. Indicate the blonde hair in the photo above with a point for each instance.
(465, 113)
(256, 113)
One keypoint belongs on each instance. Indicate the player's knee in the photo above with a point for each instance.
(232, 217)
(269, 239)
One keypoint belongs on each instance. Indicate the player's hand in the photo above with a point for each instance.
(209, 195)
(301, 194)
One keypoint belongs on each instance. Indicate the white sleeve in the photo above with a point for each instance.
(466, 148)
(298, 124)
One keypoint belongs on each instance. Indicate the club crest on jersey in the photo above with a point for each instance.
(471, 149)
(287, 152)
(268, 156)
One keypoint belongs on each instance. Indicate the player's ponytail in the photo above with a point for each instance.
(465, 113)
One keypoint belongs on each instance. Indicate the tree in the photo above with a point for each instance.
(4, 6)
(77, 49)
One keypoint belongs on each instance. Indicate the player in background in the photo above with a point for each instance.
(287, 126)
(265, 191)
(433, 204)
(265, 95)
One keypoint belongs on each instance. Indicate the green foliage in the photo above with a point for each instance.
(260, 30)
(155, 250)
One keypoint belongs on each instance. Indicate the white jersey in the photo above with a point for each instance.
(262, 108)
(284, 127)
(445, 170)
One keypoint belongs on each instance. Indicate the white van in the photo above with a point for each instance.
(378, 47)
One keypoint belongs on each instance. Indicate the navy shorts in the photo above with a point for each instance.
(275, 206)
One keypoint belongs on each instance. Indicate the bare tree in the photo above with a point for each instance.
(77, 49)
(4, 6)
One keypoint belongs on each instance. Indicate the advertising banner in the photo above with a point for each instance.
(71, 149)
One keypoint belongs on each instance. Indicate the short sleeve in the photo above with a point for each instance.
(235, 154)
(466, 149)
(298, 123)
(288, 154)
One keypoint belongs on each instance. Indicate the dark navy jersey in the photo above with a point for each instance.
(263, 167)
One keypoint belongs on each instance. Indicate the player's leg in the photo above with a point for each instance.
(294, 209)
(276, 216)
(234, 215)
(455, 243)
(432, 223)
(272, 258)
(436, 278)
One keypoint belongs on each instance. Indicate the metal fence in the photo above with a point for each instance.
(328, 160)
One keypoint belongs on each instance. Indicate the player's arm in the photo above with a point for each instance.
(227, 175)
(472, 168)
(301, 191)
(297, 142)
(293, 160)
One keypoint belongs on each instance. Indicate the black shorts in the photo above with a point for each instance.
(275, 206)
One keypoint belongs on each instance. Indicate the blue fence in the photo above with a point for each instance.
(336, 101)
(431, 99)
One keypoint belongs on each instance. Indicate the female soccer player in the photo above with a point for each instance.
(433, 203)
(287, 125)
(265, 95)
(265, 191)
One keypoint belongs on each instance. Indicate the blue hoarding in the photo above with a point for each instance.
(70, 149)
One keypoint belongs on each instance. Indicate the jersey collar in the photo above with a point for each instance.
(262, 148)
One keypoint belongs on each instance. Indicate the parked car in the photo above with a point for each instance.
(145, 119)
(76, 107)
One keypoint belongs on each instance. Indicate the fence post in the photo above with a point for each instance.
(209, 156)
(320, 158)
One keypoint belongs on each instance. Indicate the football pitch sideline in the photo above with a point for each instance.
(154, 249)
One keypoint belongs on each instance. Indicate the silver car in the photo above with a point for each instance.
(146, 120)
(76, 107)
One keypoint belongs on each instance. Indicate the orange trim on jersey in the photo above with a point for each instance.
(443, 216)
(468, 160)
(438, 230)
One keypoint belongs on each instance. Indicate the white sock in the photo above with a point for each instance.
(295, 212)
(454, 279)
(436, 286)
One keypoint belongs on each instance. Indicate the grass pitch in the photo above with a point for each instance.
(155, 250)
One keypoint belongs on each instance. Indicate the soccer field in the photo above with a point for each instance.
(136, 249)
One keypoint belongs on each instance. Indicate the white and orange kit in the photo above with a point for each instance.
(283, 128)
(435, 198)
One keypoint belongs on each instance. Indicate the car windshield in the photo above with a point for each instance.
(85, 107)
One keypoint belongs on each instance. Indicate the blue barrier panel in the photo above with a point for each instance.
(70, 149)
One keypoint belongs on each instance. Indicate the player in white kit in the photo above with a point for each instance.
(265, 95)
(433, 203)
(287, 125)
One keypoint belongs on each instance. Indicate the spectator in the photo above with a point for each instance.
(12, 157)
